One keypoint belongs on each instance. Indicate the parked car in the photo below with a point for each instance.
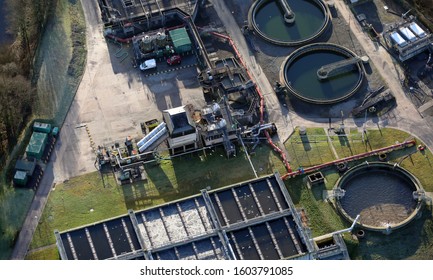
(148, 64)
(173, 60)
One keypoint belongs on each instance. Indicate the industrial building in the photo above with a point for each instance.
(181, 129)
(156, 28)
(253, 220)
(130, 17)
(408, 39)
(163, 42)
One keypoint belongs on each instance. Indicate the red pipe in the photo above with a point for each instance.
(355, 157)
(175, 27)
(117, 39)
(262, 101)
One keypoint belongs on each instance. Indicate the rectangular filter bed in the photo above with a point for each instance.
(251, 220)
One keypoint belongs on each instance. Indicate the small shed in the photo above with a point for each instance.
(42, 127)
(35, 148)
(181, 41)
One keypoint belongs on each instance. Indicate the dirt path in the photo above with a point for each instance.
(42, 248)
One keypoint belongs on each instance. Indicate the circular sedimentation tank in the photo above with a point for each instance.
(381, 193)
(288, 22)
(300, 72)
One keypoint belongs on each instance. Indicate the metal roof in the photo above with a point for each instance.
(407, 34)
(417, 30)
(26, 166)
(398, 39)
(20, 175)
(180, 37)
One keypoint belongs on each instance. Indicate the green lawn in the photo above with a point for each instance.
(91, 198)
(310, 149)
(266, 161)
(46, 253)
(379, 138)
(412, 242)
(418, 163)
(58, 66)
(349, 145)
(322, 217)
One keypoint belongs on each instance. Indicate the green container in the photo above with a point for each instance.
(36, 146)
(42, 127)
(55, 131)
(20, 178)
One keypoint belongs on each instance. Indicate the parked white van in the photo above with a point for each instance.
(148, 64)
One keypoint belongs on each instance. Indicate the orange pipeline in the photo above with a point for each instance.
(355, 157)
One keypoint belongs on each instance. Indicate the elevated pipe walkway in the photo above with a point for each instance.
(228, 250)
(60, 246)
(336, 68)
(289, 15)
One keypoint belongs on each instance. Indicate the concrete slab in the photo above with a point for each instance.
(112, 100)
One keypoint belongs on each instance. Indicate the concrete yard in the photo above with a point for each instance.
(113, 99)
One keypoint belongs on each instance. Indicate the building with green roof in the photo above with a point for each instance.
(181, 41)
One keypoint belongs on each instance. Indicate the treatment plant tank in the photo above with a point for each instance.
(288, 22)
(301, 73)
(381, 193)
(146, 44)
(161, 39)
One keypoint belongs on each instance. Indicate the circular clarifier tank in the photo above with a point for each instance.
(289, 22)
(381, 193)
(302, 77)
